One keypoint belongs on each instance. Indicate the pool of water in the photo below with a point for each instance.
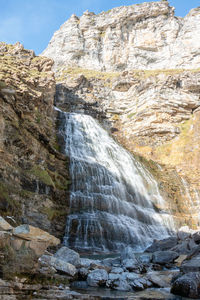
(148, 294)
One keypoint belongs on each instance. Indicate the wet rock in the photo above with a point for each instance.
(184, 233)
(146, 282)
(68, 255)
(196, 237)
(192, 245)
(58, 264)
(83, 273)
(156, 267)
(98, 265)
(121, 285)
(182, 248)
(164, 257)
(157, 281)
(187, 285)
(130, 276)
(97, 278)
(86, 262)
(114, 276)
(161, 279)
(140, 284)
(128, 253)
(126, 280)
(112, 261)
(192, 265)
(117, 270)
(145, 258)
(161, 245)
(130, 264)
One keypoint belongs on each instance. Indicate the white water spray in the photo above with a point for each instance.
(113, 197)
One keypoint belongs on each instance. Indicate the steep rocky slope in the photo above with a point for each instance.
(142, 36)
(33, 173)
(136, 69)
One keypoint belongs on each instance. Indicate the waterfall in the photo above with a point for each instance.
(114, 200)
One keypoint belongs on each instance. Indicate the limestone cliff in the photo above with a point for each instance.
(142, 36)
(136, 69)
(33, 173)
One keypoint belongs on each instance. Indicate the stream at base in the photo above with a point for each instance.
(148, 294)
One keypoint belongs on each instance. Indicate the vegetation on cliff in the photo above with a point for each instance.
(34, 176)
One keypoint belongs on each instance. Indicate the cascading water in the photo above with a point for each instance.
(113, 198)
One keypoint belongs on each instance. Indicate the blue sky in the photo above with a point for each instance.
(33, 22)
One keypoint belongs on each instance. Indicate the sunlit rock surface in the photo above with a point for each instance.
(140, 36)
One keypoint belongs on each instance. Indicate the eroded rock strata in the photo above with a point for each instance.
(33, 172)
(141, 36)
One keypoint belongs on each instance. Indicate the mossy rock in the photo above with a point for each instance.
(7, 204)
(53, 213)
(2, 85)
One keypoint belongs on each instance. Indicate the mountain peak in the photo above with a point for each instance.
(139, 36)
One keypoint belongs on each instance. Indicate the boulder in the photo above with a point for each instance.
(192, 265)
(32, 238)
(83, 273)
(161, 279)
(130, 264)
(117, 270)
(86, 262)
(58, 264)
(192, 245)
(161, 245)
(182, 248)
(97, 278)
(98, 265)
(31, 233)
(196, 237)
(68, 255)
(187, 285)
(164, 257)
(114, 276)
(140, 284)
(4, 225)
(130, 276)
(184, 233)
(157, 280)
(121, 285)
(121, 281)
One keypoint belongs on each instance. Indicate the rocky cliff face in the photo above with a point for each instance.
(153, 114)
(33, 173)
(136, 69)
(142, 36)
